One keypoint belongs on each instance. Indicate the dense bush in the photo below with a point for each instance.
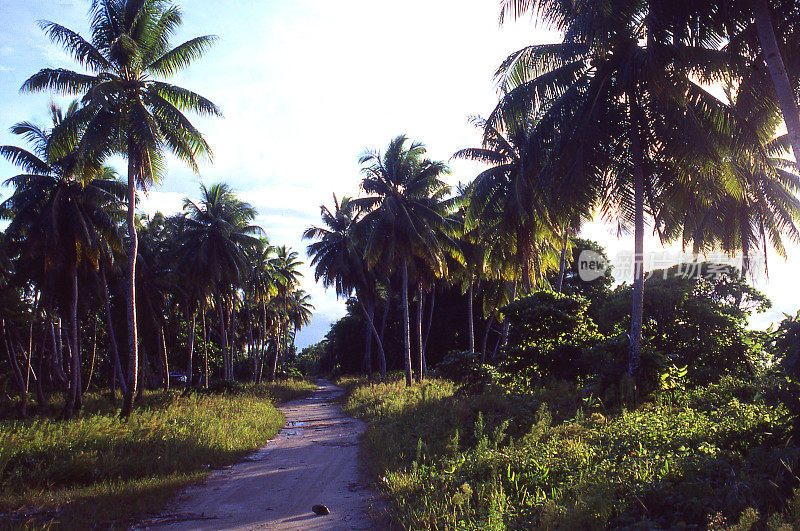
(549, 337)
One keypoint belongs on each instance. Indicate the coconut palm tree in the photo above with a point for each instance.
(64, 214)
(287, 267)
(126, 110)
(215, 247)
(625, 106)
(407, 216)
(338, 259)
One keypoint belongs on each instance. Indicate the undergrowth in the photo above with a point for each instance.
(717, 457)
(97, 468)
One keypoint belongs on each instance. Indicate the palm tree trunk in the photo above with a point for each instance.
(94, 353)
(250, 348)
(58, 355)
(406, 327)
(471, 320)
(162, 344)
(205, 350)
(777, 70)
(486, 331)
(192, 314)
(232, 339)
(16, 374)
(638, 237)
(133, 248)
(371, 321)
(112, 337)
(223, 334)
(418, 331)
(40, 398)
(383, 328)
(368, 347)
(75, 364)
(562, 262)
(274, 369)
(428, 331)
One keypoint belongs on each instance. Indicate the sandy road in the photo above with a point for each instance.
(313, 460)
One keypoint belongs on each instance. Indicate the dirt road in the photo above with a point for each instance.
(313, 460)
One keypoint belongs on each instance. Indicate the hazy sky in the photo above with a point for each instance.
(306, 86)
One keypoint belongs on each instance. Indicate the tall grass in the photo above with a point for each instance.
(707, 458)
(101, 471)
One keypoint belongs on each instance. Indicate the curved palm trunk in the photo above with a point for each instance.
(133, 248)
(112, 337)
(638, 237)
(94, 354)
(562, 262)
(777, 70)
(471, 320)
(192, 314)
(162, 344)
(371, 321)
(406, 327)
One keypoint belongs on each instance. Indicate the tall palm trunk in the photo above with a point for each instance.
(428, 333)
(250, 345)
(223, 334)
(406, 325)
(162, 348)
(562, 262)
(638, 237)
(75, 358)
(16, 373)
(205, 351)
(486, 331)
(470, 319)
(133, 248)
(777, 70)
(58, 355)
(112, 337)
(192, 314)
(368, 347)
(370, 316)
(383, 328)
(94, 353)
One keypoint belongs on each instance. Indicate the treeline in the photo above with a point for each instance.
(91, 290)
(616, 120)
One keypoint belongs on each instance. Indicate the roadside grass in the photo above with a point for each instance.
(718, 457)
(99, 471)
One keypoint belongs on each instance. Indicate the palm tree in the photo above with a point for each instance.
(505, 207)
(126, 110)
(622, 98)
(215, 249)
(287, 267)
(338, 258)
(261, 288)
(407, 216)
(64, 212)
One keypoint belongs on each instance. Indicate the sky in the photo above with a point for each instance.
(305, 87)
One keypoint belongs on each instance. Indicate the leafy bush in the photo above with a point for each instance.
(465, 368)
(549, 338)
